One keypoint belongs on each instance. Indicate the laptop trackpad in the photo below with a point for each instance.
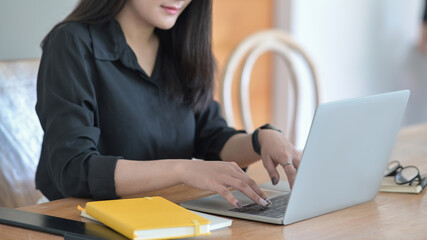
(245, 200)
(217, 202)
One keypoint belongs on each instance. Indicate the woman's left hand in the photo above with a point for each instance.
(277, 150)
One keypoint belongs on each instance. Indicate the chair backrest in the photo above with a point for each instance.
(248, 52)
(20, 133)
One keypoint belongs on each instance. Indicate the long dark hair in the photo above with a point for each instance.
(186, 48)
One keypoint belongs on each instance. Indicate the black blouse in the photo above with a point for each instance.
(96, 105)
(425, 13)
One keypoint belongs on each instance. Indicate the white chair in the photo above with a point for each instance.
(248, 52)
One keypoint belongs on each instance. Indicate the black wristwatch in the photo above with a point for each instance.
(255, 142)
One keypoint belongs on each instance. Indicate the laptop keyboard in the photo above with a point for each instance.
(275, 210)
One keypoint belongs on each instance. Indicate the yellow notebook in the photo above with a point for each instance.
(148, 218)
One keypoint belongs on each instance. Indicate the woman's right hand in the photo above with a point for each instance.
(218, 176)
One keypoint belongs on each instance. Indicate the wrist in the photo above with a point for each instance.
(263, 133)
(257, 140)
(179, 168)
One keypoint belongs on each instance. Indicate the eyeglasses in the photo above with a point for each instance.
(403, 175)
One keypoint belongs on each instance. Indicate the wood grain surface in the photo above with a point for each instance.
(388, 216)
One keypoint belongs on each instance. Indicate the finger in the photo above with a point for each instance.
(296, 159)
(271, 169)
(251, 183)
(242, 176)
(248, 191)
(291, 173)
(236, 167)
(224, 192)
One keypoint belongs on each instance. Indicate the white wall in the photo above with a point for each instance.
(24, 23)
(359, 47)
(356, 44)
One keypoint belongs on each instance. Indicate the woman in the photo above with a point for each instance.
(125, 100)
(422, 41)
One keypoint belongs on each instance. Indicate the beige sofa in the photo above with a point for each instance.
(20, 133)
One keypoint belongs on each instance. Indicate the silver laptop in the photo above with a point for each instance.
(343, 162)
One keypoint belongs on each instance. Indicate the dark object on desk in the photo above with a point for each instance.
(389, 185)
(70, 229)
(401, 179)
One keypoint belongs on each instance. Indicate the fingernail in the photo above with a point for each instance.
(263, 202)
(274, 180)
(239, 205)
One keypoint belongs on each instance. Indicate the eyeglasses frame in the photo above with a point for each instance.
(399, 170)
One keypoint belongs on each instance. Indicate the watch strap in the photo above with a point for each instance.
(255, 143)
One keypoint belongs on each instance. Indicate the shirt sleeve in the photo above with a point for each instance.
(425, 13)
(212, 133)
(66, 106)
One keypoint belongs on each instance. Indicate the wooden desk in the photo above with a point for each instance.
(389, 216)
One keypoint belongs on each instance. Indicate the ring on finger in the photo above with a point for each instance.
(288, 163)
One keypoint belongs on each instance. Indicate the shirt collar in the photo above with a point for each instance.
(109, 44)
(108, 40)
